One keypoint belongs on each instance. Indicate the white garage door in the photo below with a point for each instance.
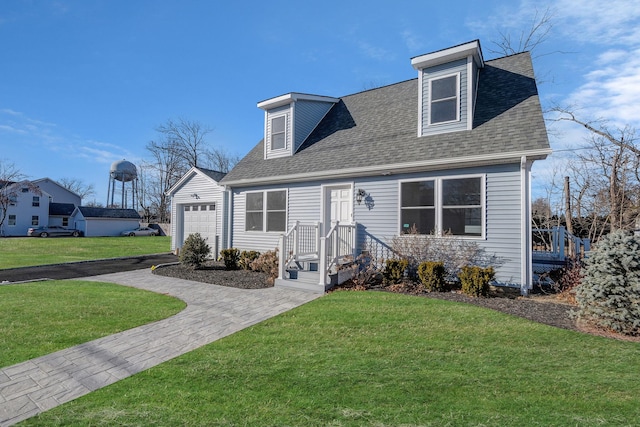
(201, 218)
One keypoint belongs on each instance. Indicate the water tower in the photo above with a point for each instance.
(126, 173)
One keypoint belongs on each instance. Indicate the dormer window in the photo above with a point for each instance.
(445, 99)
(278, 132)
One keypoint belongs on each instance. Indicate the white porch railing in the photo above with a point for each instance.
(339, 243)
(303, 242)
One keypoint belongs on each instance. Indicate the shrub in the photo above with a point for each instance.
(194, 251)
(475, 280)
(267, 262)
(230, 257)
(432, 276)
(394, 270)
(369, 274)
(246, 258)
(609, 296)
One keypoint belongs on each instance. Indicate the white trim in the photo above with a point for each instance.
(398, 168)
(286, 132)
(420, 100)
(471, 49)
(288, 98)
(438, 205)
(470, 94)
(526, 267)
(186, 177)
(430, 82)
(264, 210)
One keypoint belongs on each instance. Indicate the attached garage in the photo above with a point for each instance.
(196, 207)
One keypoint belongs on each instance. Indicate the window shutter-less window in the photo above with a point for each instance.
(444, 100)
(278, 133)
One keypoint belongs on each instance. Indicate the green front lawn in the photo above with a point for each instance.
(42, 317)
(380, 359)
(29, 251)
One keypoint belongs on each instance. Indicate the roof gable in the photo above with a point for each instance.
(211, 175)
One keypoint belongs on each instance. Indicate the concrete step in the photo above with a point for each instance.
(306, 281)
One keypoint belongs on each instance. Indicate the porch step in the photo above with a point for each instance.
(306, 281)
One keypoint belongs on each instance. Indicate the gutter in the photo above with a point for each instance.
(398, 168)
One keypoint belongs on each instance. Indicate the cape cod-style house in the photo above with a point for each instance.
(447, 152)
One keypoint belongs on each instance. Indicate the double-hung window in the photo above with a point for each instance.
(444, 100)
(278, 132)
(442, 206)
(266, 211)
(12, 220)
(36, 201)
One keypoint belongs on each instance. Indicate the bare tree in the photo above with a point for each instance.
(187, 138)
(12, 181)
(78, 186)
(529, 39)
(606, 175)
(220, 160)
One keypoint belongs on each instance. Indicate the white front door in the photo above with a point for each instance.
(338, 205)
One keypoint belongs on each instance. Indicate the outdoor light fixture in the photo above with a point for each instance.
(360, 195)
(195, 196)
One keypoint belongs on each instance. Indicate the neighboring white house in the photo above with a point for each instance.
(196, 203)
(448, 152)
(104, 221)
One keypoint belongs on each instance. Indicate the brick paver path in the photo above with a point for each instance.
(212, 312)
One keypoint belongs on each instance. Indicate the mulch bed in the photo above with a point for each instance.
(546, 309)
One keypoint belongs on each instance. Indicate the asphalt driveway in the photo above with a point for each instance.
(74, 270)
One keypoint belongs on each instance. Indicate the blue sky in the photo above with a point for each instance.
(85, 83)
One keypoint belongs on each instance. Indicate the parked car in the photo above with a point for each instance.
(141, 231)
(53, 231)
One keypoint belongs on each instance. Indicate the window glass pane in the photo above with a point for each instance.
(276, 221)
(12, 220)
(254, 201)
(254, 221)
(278, 133)
(212, 207)
(462, 221)
(461, 192)
(423, 220)
(444, 111)
(187, 208)
(277, 200)
(35, 220)
(443, 88)
(417, 193)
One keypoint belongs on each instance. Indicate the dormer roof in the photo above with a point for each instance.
(443, 56)
(288, 98)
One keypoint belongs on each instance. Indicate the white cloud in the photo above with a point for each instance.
(375, 52)
(412, 40)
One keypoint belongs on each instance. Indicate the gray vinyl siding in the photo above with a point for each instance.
(208, 193)
(444, 70)
(276, 112)
(378, 217)
(307, 115)
(303, 204)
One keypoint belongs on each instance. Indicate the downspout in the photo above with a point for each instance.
(229, 213)
(526, 273)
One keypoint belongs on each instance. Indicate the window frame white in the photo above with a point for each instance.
(431, 101)
(284, 132)
(265, 211)
(439, 203)
(12, 220)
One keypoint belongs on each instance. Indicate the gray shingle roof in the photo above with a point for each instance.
(378, 127)
(91, 212)
(215, 175)
(64, 209)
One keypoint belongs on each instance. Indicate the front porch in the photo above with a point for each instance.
(313, 260)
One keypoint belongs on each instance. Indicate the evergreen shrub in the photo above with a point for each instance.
(194, 251)
(432, 275)
(609, 295)
(230, 257)
(394, 269)
(475, 280)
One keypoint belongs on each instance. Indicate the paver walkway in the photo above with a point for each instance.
(212, 312)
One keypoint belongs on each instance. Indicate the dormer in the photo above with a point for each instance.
(289, 119)
(447, 84)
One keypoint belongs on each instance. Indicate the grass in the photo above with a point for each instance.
(42, 317)
(379, 359)
(30, 251)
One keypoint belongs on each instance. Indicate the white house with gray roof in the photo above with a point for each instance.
(448, 152)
